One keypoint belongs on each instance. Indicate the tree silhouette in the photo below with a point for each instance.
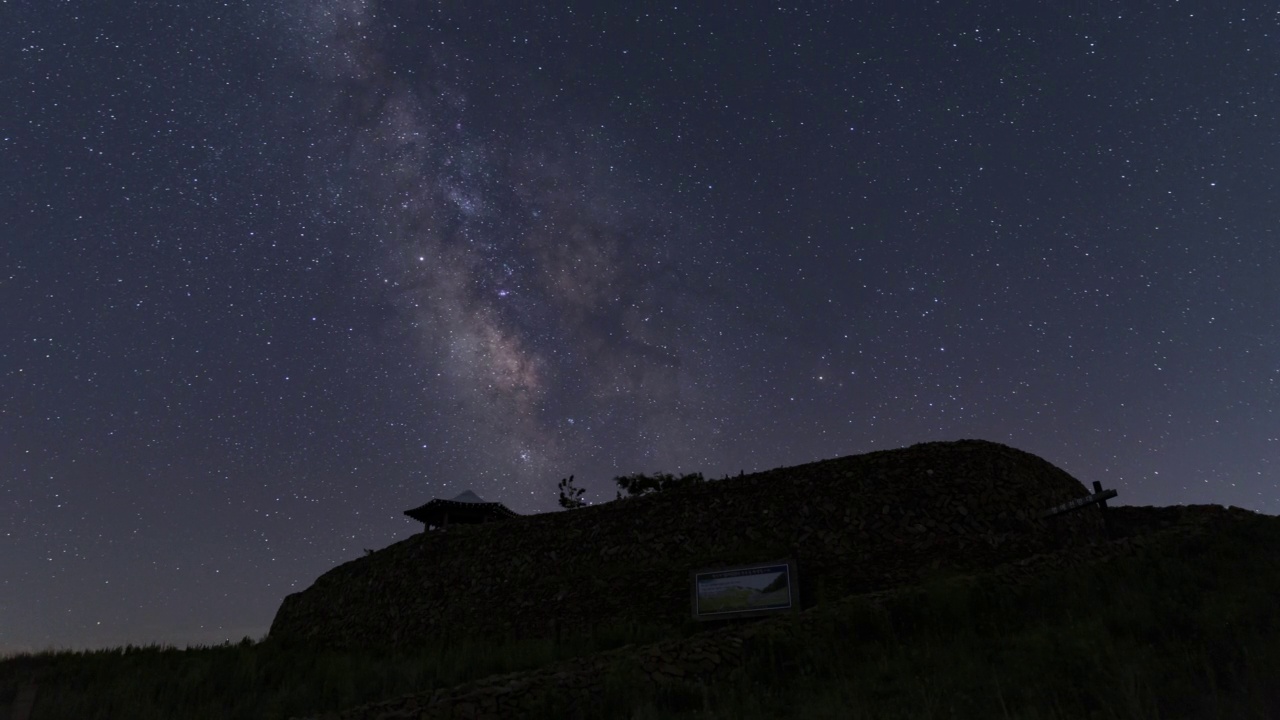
(638, 484)
(569, 495)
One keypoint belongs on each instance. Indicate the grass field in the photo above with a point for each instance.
(1190, 630)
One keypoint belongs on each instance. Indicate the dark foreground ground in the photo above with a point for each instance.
(1180, 625)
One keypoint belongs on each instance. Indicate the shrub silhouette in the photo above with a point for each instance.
(639, 484)
(570, 495)
(633, 485)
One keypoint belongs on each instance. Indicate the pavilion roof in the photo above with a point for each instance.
(465, 507)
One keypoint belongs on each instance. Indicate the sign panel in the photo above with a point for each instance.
(745, 590)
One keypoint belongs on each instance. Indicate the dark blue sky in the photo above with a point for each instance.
(270, 277)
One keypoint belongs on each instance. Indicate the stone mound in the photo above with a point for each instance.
(853, 525)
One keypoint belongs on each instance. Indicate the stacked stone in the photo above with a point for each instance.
(718, 655)
(853, 525)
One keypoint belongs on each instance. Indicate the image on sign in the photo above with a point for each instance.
(760, 588)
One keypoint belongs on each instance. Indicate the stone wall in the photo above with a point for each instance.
(578, 684)
(853, 525)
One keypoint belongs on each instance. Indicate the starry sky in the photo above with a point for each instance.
(273, 273)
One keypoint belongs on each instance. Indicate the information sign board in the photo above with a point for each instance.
(735, 591)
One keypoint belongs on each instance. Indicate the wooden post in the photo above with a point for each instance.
(1099, 497)
(1097, 490)
(1102, 503)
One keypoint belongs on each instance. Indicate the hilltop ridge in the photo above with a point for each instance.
(854, 524)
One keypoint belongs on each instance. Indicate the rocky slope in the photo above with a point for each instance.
(853, 525)
(718, 654)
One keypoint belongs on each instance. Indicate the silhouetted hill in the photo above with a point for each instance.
(854, 524)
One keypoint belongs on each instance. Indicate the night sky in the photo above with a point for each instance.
(273, 273)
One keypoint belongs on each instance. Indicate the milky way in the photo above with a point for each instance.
(536, 281)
